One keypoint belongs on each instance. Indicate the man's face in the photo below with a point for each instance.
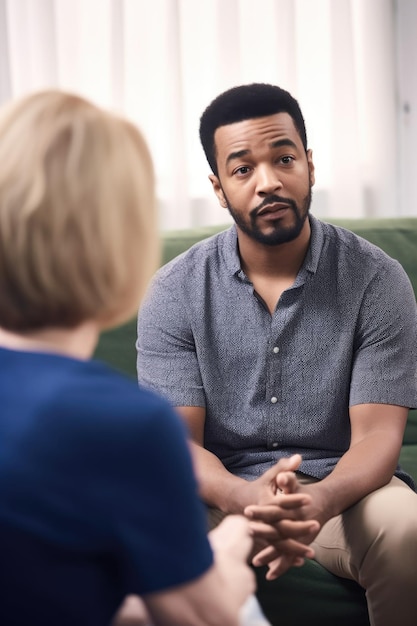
(264, 177)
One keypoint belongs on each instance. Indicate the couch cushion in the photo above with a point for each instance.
(311, 591)
(177, 241)
(396, 236)
(408, 460)
(117, 348)
(410, 435)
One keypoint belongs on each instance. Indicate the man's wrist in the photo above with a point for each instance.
(235, 497)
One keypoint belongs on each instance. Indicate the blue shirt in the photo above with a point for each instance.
(343, 334)
(97, 492)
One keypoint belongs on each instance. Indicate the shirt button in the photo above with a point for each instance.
(275, 445)
(276, 350)
(274, 399)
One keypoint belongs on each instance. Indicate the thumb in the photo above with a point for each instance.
(233, 535)
(288, 464)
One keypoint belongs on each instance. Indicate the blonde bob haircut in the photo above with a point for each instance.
(78, 234)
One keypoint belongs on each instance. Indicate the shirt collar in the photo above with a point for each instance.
(316, 245)
(232, 259)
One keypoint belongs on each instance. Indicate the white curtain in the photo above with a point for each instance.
(160, 62)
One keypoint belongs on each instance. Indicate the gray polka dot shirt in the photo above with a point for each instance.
(343, 334)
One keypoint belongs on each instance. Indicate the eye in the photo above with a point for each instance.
(287, 159)
(241, 171)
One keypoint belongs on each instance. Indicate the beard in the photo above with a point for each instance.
(279, 234)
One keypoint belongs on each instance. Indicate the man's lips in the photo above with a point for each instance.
(275, 208)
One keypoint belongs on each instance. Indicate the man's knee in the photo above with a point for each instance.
(383, 537)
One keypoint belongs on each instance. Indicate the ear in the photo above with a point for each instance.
(218, 190)
(311, 167)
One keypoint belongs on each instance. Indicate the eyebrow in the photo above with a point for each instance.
(283, 142)
(275, 144)
(237, 155)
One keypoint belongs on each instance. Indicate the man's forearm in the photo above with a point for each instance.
(360, 471)
(217, 486)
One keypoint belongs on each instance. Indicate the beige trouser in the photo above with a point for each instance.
(375, 543)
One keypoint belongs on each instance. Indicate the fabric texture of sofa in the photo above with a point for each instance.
(308, 594)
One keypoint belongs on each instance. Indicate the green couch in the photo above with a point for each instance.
(307, 595)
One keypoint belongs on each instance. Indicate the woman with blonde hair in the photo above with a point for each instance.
(98, 497)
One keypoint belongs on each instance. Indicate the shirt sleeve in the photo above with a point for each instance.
(166, 352)
(385, 352)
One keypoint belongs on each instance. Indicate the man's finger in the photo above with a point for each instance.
(279, 508)
(288, 547)
(286, 529)
(281, 565)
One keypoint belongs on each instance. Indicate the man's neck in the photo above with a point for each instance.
(78, 342)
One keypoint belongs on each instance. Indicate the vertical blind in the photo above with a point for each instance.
(160, 62)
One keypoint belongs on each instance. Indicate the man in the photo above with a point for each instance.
(286, 335)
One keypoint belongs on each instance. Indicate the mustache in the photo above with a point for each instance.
(273, 199)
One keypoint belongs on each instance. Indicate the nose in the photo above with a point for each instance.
(268, 180)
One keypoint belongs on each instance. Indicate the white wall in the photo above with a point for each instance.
(350, 63)
(406, 30)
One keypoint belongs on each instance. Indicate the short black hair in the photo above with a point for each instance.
(246, 102)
